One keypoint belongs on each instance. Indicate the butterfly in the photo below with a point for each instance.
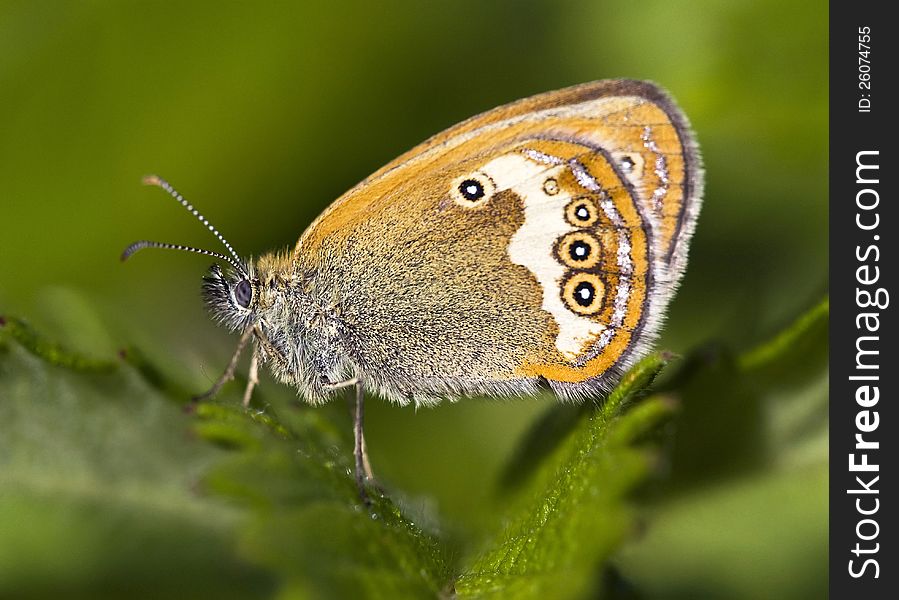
(535, 244)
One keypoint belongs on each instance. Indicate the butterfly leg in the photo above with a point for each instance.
(363, 468)
(252, 378)
(363, 472)
(330, 387)
(228, 375)
(369, 474)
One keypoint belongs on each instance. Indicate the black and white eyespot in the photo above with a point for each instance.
(579, 250)
(581, 212)
(630, 163)
(583, 293)
(551, 186)
(472, 190)
(243, 293)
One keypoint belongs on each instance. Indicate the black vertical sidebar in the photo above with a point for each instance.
(864, 370)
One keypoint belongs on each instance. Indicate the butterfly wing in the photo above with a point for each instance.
(539, 241)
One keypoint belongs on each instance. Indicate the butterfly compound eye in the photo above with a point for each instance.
(243, 293)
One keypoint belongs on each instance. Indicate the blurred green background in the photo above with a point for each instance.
(263, 113)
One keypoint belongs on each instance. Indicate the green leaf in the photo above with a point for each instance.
(293, 471)
(110, 488)
(100, 484)
(804, 341)
(575, 512)
(114, 484)
(744, 513)
(50, 351)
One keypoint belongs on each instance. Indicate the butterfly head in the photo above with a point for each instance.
(232, 297)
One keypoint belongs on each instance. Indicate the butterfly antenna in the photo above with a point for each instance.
(136, 246)
(162, 183)
(235, 262)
